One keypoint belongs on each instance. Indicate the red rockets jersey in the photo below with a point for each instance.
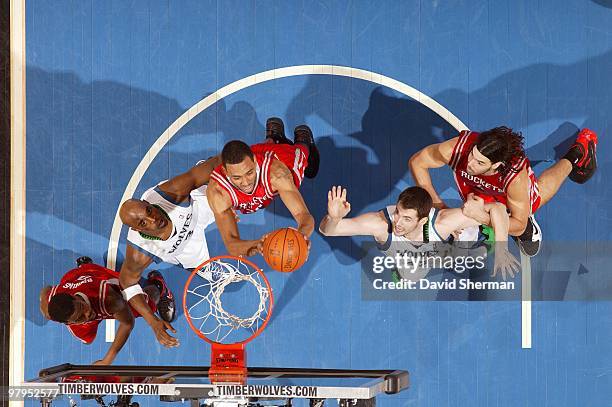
(92, 283)
(294, 157)
(489, 187)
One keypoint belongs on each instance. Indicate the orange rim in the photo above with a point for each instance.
(270, 301)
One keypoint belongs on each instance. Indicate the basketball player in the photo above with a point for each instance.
(493, 167)
(414, 225)
(89, 294)
(249, 178)
(166, 225)
(168, 222)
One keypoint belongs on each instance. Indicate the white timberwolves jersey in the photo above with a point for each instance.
(400, 244)
(186, 246)
(431, 246)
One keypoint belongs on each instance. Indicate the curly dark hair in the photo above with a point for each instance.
(501, 144)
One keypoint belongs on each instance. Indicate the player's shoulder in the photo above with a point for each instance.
(383, 216)
(461, 137)
(152, 194)
(518, 180)
(217, 196)
(278, 168)
(279, 174)
(378, 224)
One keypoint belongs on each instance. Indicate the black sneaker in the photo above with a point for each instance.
(275, 131)
(83, 260)
(303, 135)
(530, 241)
(166, 307)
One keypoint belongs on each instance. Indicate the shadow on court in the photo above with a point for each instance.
(89, 137)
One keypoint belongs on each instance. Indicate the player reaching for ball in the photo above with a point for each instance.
(414, 225)
(249, 178)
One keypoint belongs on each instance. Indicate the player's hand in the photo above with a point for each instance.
(258, 247)
(337, 205)
(505, 263)
(308, 242)
(473, 206)
(102, 362)
(456, 233)
(159, 327)
(254, 250)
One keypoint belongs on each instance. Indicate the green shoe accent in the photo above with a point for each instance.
(395, 276)
(489, 233)
(490, 240)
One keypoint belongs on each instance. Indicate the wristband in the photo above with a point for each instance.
(132, 291)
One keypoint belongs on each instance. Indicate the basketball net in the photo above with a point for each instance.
(227, 332)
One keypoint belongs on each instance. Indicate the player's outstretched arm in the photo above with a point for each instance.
(281, 180)
(129, 277)
(452, 220)
(225, 219)
(116, 305)
(182, 185)
(432, 156)
(500, 221)
(335, 222)
(505, 262)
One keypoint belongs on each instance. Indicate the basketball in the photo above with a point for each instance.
(285, 250)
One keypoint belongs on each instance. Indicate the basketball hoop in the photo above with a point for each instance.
(227, 327)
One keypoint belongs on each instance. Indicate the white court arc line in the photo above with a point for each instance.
(298, 70)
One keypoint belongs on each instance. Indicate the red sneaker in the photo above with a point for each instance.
(582, 155)
(166, 307)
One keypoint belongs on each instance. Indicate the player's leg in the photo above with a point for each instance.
(166, 305)
(579, 164)
(552, 178)
(275, 131)
(303, 135)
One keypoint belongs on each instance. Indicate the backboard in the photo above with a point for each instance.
(263, 387)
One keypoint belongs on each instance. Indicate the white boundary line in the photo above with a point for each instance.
(255, 79)
(18, 195)
(525, 302)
